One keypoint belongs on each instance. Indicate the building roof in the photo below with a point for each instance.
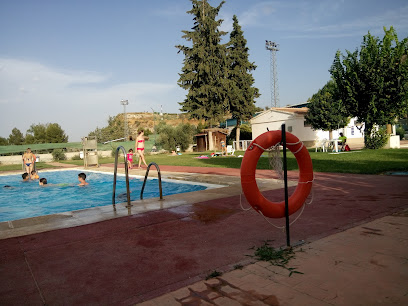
(288, 111)
(299, 105)
(224, 131)
(301, 110)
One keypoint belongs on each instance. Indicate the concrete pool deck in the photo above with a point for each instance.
(354, 251)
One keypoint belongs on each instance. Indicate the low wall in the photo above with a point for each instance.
(46, 158)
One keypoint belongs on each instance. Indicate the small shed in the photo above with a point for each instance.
(210, 139)
(201, 142)
(90, 149)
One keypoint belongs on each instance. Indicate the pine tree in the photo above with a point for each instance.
(242, 93)
(205, 69)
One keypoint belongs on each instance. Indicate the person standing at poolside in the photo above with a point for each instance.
(28, 160)
(129, 158)
(140, 146)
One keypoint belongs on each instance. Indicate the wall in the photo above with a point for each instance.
(295, 124)
(16, 159)
(274, 120)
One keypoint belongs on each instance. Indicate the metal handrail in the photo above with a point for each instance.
(115, 174)
(159, 176)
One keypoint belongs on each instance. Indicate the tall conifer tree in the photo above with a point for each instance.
(204, 73)
(242, 93)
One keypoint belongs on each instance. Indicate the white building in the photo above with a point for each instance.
(294, 118)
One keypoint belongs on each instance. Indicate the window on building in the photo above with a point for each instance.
(289, 129)
(352, 130)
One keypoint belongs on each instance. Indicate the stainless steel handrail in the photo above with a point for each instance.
(115, 174)
(159, 176)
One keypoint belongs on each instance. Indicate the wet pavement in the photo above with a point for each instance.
(135, 258)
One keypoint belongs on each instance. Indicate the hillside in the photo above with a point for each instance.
(150, 120)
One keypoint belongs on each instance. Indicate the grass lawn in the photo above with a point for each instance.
(17, 167)
(364, 162)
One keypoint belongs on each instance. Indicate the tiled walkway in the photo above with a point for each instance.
(365, 265)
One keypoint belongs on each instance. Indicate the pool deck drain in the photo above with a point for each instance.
(356, 252)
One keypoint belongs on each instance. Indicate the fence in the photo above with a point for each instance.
(243, 144)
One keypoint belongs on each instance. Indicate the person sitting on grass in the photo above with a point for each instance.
(43, 181)
(81, 179)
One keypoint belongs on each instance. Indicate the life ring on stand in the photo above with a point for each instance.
(248, 168)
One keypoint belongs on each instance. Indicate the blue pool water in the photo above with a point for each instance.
(28, 199)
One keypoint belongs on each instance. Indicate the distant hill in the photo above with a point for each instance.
(149, 120)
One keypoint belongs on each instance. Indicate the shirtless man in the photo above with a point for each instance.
(28, 160)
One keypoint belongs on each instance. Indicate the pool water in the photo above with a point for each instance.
(62, 194)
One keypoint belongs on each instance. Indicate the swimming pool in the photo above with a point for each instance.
(28, 199)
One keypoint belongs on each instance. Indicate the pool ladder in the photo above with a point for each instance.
(115, 175)
(127, 178)
(158, 176)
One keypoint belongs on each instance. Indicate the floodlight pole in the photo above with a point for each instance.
(154, 125)
(124, 103)
(273, 47)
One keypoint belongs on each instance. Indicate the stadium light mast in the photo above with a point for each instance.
(273, 47)
(124, 103)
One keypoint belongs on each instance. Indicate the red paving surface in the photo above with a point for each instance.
(130, 259)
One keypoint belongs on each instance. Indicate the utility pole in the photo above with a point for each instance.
(273, 47)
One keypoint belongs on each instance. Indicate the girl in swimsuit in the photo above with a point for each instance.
(130, 158)
(28, 159)
(139, 146)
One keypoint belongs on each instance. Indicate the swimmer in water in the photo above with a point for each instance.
(43, 181)
(25, 177)
(81, 179)
(34, 175)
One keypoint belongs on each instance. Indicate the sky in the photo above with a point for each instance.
(71, 62)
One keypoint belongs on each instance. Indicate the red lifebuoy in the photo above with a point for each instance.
(248, 168)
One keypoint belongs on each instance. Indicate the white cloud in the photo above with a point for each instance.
(320, 19)
(77, 100)
(255, 14)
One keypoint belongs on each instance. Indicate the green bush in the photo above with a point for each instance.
(401, 132)
(377, 139)
(76, 157)
(58, 154)
(170, 137)
(245, 133)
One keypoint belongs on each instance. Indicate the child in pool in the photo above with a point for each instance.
(43, 181)
(34, 175)
(81, 179)
(25, 177)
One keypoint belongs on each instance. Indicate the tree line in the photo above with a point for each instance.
(37, 133)
(370, 84)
